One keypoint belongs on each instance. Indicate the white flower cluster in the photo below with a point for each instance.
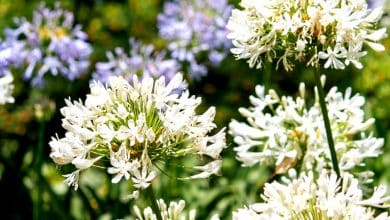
(175, 211)
(305, 30)
(289, 133)
(6, 88)
(324, 198)
(133, 126)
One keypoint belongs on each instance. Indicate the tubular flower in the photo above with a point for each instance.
(287, 133)
(49, 43)
(312, 31)
(128, 127)
(196, 29)
(316, 199)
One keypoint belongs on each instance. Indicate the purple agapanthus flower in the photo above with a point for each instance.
(49, 43)
(195, 32)
(142, 61)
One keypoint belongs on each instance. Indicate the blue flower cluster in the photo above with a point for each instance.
(142, 61)
(52, 43)
(49, 43)
(196, 33)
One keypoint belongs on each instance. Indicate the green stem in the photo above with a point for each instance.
(328, 130)
(150, 193)
(115, 188)
(38, 164)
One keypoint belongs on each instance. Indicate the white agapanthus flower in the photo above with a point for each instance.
(175, 211)
(127, 127)
(286, 133)
(311, 31)
(316, 199)
(6, 88)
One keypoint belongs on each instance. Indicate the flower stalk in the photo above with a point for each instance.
(324, 110)
(150, 193)
(37, 212)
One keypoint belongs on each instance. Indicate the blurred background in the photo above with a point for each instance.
(30, 181)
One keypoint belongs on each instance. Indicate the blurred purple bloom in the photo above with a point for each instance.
(9, 54)
(49, 43)
(142, 61)
(5, 58)
(375, 3)
(196, 32)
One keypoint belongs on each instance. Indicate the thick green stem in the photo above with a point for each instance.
(328, 130)
(150, 193)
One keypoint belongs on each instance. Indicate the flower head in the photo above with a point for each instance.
(49, 43)
(286, 132)
(312, 31)
(195, 29)
(310, 198)
(142, 61)
(129, 127)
